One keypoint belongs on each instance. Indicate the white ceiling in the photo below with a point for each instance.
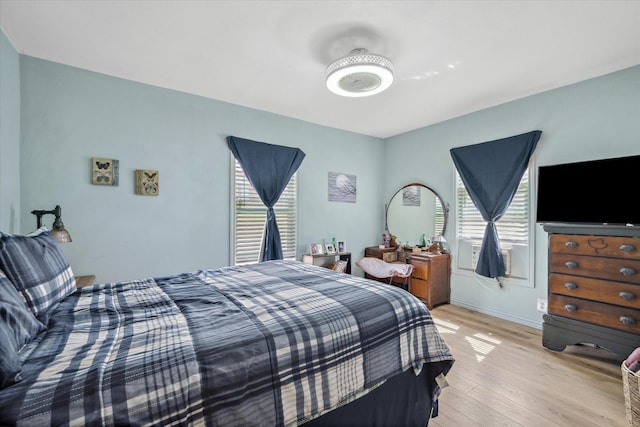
(451, 57)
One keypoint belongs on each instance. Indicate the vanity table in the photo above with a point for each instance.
(415, 213)
(430, 279)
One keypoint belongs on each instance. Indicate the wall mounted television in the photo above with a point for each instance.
(603, 191)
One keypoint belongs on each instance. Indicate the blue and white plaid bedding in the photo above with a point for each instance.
(271, 344)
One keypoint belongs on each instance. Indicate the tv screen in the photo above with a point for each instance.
(593, 192)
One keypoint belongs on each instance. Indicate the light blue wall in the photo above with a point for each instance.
(71, 115)
(593, 119)
(9, 136)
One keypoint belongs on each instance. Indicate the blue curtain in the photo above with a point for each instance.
(268, 168)
(491, 173)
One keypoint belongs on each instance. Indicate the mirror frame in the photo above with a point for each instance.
(445, 206)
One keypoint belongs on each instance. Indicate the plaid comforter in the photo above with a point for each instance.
(274, 343)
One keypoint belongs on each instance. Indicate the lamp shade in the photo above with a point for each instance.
(58, 232)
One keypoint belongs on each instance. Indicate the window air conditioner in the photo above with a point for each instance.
(506, 257)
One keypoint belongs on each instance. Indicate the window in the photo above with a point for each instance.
(513, 232)
(249, 217)
(513, 227)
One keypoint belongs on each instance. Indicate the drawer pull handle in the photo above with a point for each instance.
(627, 271)
(627, 295)
(627, 248)
(570, 286)
(627, 320)
(570, 308)
(572, 264)
(571, 244)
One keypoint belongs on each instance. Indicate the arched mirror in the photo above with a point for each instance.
(416, 210)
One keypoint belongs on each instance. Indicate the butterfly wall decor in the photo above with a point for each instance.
(147, 182)
(104, 171)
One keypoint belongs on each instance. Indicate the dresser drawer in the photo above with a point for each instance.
(622, 270)
(605, 246)
(624, 294)
(419, 288)
(612, 316)
(420, 269)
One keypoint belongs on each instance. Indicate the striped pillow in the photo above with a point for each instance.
(37, 268)
(18, 326)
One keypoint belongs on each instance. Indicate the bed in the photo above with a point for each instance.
(279, 343)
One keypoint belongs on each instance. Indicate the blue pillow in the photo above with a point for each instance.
(38, 269)
(10, 369)
(18, 326)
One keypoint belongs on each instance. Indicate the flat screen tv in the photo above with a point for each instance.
(593, 192)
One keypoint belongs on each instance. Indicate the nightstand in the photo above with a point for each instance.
(326, 259)
(82, 281)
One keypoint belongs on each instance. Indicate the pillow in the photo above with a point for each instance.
(10, 369)
(339, 266)
(37, 268)
(18, 326)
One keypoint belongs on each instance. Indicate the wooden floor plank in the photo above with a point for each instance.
(503, 376)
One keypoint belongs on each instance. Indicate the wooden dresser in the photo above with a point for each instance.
(430, 280)
(594, 288)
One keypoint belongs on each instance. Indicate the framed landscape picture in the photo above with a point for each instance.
(342, 187)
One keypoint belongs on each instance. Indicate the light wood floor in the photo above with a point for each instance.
(503, 376)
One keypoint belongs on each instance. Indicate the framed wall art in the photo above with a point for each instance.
(104, 171)
(411, 196)
(342, 187)
(147, 182)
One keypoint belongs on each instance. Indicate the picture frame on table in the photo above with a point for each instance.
(316, 249)
(342, 246)
(331, 250)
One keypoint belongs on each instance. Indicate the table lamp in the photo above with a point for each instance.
(440, 241)
(58, 232)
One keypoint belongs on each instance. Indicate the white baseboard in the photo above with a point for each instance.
(499, 314)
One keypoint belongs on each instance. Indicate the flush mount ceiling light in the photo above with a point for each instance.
(359, 74)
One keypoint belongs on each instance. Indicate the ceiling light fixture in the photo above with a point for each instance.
(359, 74)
